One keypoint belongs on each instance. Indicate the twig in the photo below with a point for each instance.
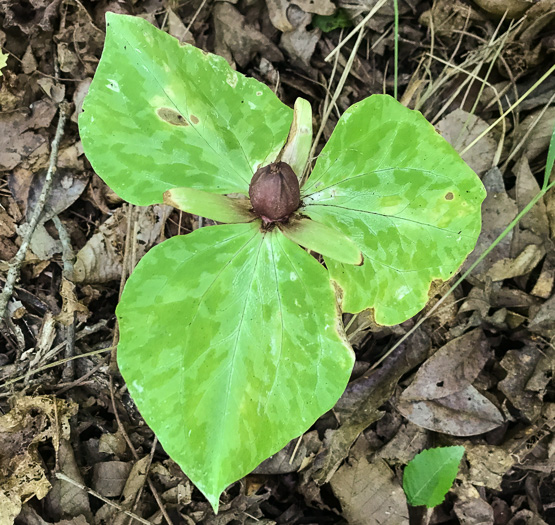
(482, 256)
(296, 449)
(15, 265)
(52, 365)
(63, 477)
(505, 113)
(338, 91)
(358, 27)
(68, 373)
(134, 452)
(150, 458)
(188, 28)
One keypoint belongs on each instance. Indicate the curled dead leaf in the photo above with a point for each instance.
(101, 259)
(32, 420)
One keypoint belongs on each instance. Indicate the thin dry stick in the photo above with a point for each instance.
(483, 255)
(358, 27)
(338, 90)
(64, 387)
(67, 257)
(134, 452)
(52, 365)
(527, 134)
(296, 449)
(505, 113)
(150, 458)
(63, 477)
(15, 265)
(197, 12)
(130, 216)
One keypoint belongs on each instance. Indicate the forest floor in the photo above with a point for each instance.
(462, 64)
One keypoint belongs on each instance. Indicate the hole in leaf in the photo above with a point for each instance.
(439, 383)
(172, 117)
(449, 196)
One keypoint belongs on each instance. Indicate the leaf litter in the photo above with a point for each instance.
(492, 343)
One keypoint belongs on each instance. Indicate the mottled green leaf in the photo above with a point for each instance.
(210, 205)
(229, 361)
(322, 239)
(404, 196)
(160, 115)
(430, 475)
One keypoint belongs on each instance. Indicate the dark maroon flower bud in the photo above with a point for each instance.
(274, 192)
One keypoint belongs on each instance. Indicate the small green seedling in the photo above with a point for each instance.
(231, 338)
(429, 476)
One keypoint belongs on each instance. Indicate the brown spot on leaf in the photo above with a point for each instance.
(194, 119)
(171, 116)
(449, 196)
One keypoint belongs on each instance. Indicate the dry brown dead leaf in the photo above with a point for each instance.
(441, 396)
(541, 124)
(109, 477)
(470, 508)
(498, 210)
(406, 443)
(317, 7)
(101, 259)
(527, 188)
(114, 444)
(465, 413)
(538, 17)
(448, 17)
(452, 367)
(65, 500)
(238, 41)
(36, 16)
(71, 307)
(460, 128)
(529, 370)
(369, 493)
(543, 322)
(133, 485)
(18, 140)
(281, 463)
(277, 11)
(507, 8)
(177, 28)
(523, 264)
(488, 464)
(359, 406)
(32, 420)
(8, 230)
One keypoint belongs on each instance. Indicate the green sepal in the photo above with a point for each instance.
(322, 239)
(210, 205)
(297, 148)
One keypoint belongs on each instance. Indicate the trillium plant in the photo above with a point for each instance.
(231, 337)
